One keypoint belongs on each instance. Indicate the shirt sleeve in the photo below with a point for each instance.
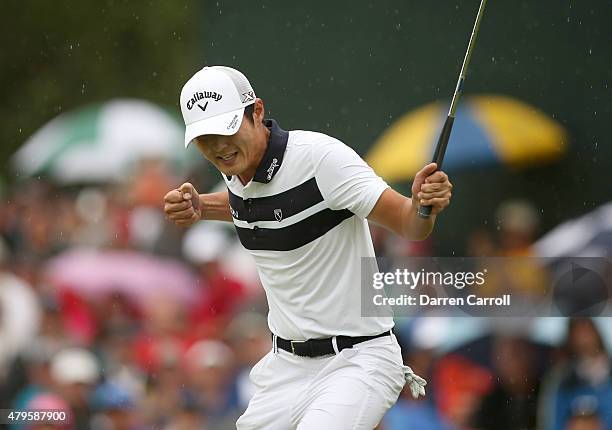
(344, 179)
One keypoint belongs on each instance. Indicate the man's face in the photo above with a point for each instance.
(232, 155)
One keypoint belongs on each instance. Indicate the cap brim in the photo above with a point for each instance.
(225, 124)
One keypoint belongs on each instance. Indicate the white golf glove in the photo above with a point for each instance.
(415, 382)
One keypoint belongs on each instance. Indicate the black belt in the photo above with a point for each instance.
(321, 347)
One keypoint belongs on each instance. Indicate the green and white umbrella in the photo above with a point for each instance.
(101, 143)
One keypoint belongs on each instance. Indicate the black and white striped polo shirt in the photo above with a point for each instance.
(302, 217)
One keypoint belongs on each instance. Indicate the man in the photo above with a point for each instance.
(299, 201)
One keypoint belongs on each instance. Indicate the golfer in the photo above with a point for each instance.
(300, 202)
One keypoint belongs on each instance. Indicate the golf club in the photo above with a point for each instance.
(438, 157)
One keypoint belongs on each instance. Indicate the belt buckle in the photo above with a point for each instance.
(292, 348)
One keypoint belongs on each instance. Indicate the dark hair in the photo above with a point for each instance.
(248, 112)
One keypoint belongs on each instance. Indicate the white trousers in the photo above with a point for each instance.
(350, 390)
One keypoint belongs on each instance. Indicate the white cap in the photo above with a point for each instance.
(205, 242)
(75, 365)
(213, 102)
(209, 353)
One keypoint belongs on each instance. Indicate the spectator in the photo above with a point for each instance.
(408, 413)
(75, 372)
(523, 277)
(114, 408)
(250, 340)
(51, 402)
(19, 318)
(512, 403)
(167, 387)
(210, 371)
(220, 294)
(585, 373)
(518, 223)
(33, 371)
(189, 416)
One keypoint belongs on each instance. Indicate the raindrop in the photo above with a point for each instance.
(398, 26)
(492, 59)
(590, 51)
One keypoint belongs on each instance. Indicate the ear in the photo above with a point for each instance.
(259, 111)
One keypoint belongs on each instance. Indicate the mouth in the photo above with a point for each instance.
(227, 158)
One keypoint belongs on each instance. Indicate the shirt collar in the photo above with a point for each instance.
(273, 157)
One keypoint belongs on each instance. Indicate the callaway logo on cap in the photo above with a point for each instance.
(213, 102)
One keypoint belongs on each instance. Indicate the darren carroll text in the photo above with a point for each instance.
(425, 300)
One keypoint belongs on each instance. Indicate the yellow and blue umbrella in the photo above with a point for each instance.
(488, 130)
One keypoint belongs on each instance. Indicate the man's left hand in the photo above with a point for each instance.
(431, 187)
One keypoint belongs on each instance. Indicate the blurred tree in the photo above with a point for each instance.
(59, 55)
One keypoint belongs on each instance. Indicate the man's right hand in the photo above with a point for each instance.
(183, 205)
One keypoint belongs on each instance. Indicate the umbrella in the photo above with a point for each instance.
(138, 276)
(488, 130)
(587, 236)
(98, 143)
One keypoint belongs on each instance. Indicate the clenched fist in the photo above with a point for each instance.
(431, 187)
(183, 205)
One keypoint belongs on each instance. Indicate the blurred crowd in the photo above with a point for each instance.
(110, 312)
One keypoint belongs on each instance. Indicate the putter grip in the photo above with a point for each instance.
(425, 211)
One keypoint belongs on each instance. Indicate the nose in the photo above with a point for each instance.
(219, 143)
(214, 142)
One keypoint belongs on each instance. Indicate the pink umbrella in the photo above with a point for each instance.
(139, 276)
